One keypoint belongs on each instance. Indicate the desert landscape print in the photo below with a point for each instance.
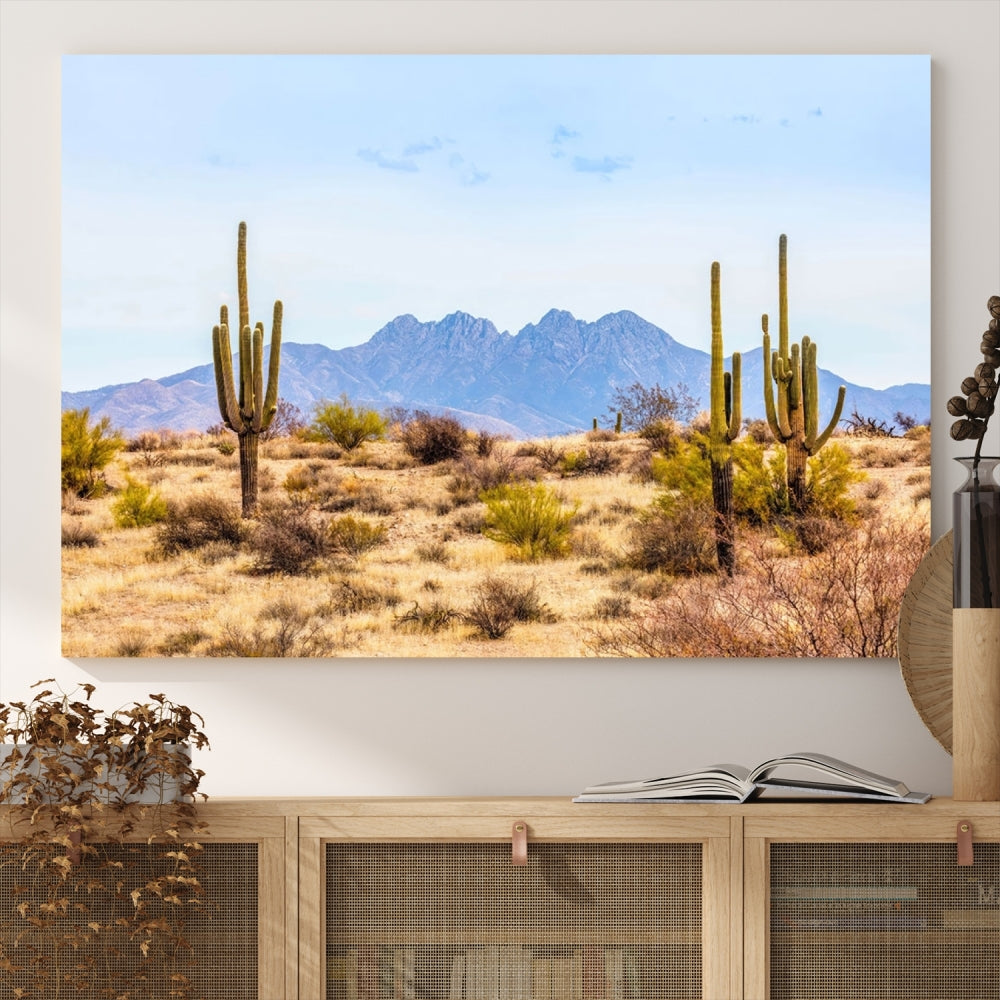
(493, 356)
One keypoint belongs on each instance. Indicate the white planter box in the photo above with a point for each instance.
(161, 788)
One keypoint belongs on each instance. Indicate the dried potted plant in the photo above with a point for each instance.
(99, 846)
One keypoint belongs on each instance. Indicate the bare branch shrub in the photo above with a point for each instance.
(842, 602)
(281, 629)
(199, 521)
(432, 439)
(500, 604)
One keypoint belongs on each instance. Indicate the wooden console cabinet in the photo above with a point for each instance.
(400, 898)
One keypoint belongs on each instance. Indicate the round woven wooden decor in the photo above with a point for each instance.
(924, 640)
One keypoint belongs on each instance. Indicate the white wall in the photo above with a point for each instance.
(476, 727)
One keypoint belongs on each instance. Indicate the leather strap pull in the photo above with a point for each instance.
(963, 836)
(519, 844)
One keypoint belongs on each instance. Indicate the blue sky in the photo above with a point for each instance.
(502, 186)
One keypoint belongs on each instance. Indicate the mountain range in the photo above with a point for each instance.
(551, 377)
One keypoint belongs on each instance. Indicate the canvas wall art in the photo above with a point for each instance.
(493, 356)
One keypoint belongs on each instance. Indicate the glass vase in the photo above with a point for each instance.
(976, 529)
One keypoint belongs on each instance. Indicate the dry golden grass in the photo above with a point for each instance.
(122, 596)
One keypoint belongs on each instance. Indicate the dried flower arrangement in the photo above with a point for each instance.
(976, 519)
(99, 846)
(975, 408)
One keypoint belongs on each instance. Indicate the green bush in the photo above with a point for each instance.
(346, 425)
(829, 478)
(354, 535)
(759, 491)
(530, 517)
(686, 469)
(138, 506)
(86, 450)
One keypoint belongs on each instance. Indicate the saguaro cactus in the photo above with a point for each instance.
(794, 421)
(251, 410)
(724, 427)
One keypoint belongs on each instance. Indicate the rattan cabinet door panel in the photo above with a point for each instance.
(874, 921)
(458, 920)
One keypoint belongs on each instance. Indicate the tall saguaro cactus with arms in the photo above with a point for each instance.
(725, 419)
(248, 409)
(794, 421)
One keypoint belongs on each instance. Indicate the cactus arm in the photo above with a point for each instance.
(717, 385)
(241, 275)
(783, 295)
(223, 364)
(256, 406)
(769, 412)
(777, 420)
(736, 398)
(273, 366)
(246, 373)
(810, 390)
(834, 420)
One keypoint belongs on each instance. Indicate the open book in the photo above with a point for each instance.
(793, 776)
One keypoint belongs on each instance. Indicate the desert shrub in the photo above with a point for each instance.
(686, 470)
(809, 534)
(433, 552)
(529, 517)
(302, 480)
(859, 425)
(546, 453)
(282, 628)
(759, 491)
(76, 535)
(485, 443)
(594, 460)
(289, 538)
(433, 618)
(354, 535)
(226, 447)
(758, 431)
(829, 478)
(613, 606)
(662, 435)
(148, 445)
(470, 522)
(500, 604)
(286, 422)
(675, 535)
(346, 425)
(138, 506)
(199, 521)
(432, 439)
(920, 438)
(353, 493)
(842, 602)
(181, 643)
(641, 406)
(351, 597)
(601, 434)
(874, 488)
(195, 459)
(474, 475)
(87, 448)
(882, 455)
(131, 641)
